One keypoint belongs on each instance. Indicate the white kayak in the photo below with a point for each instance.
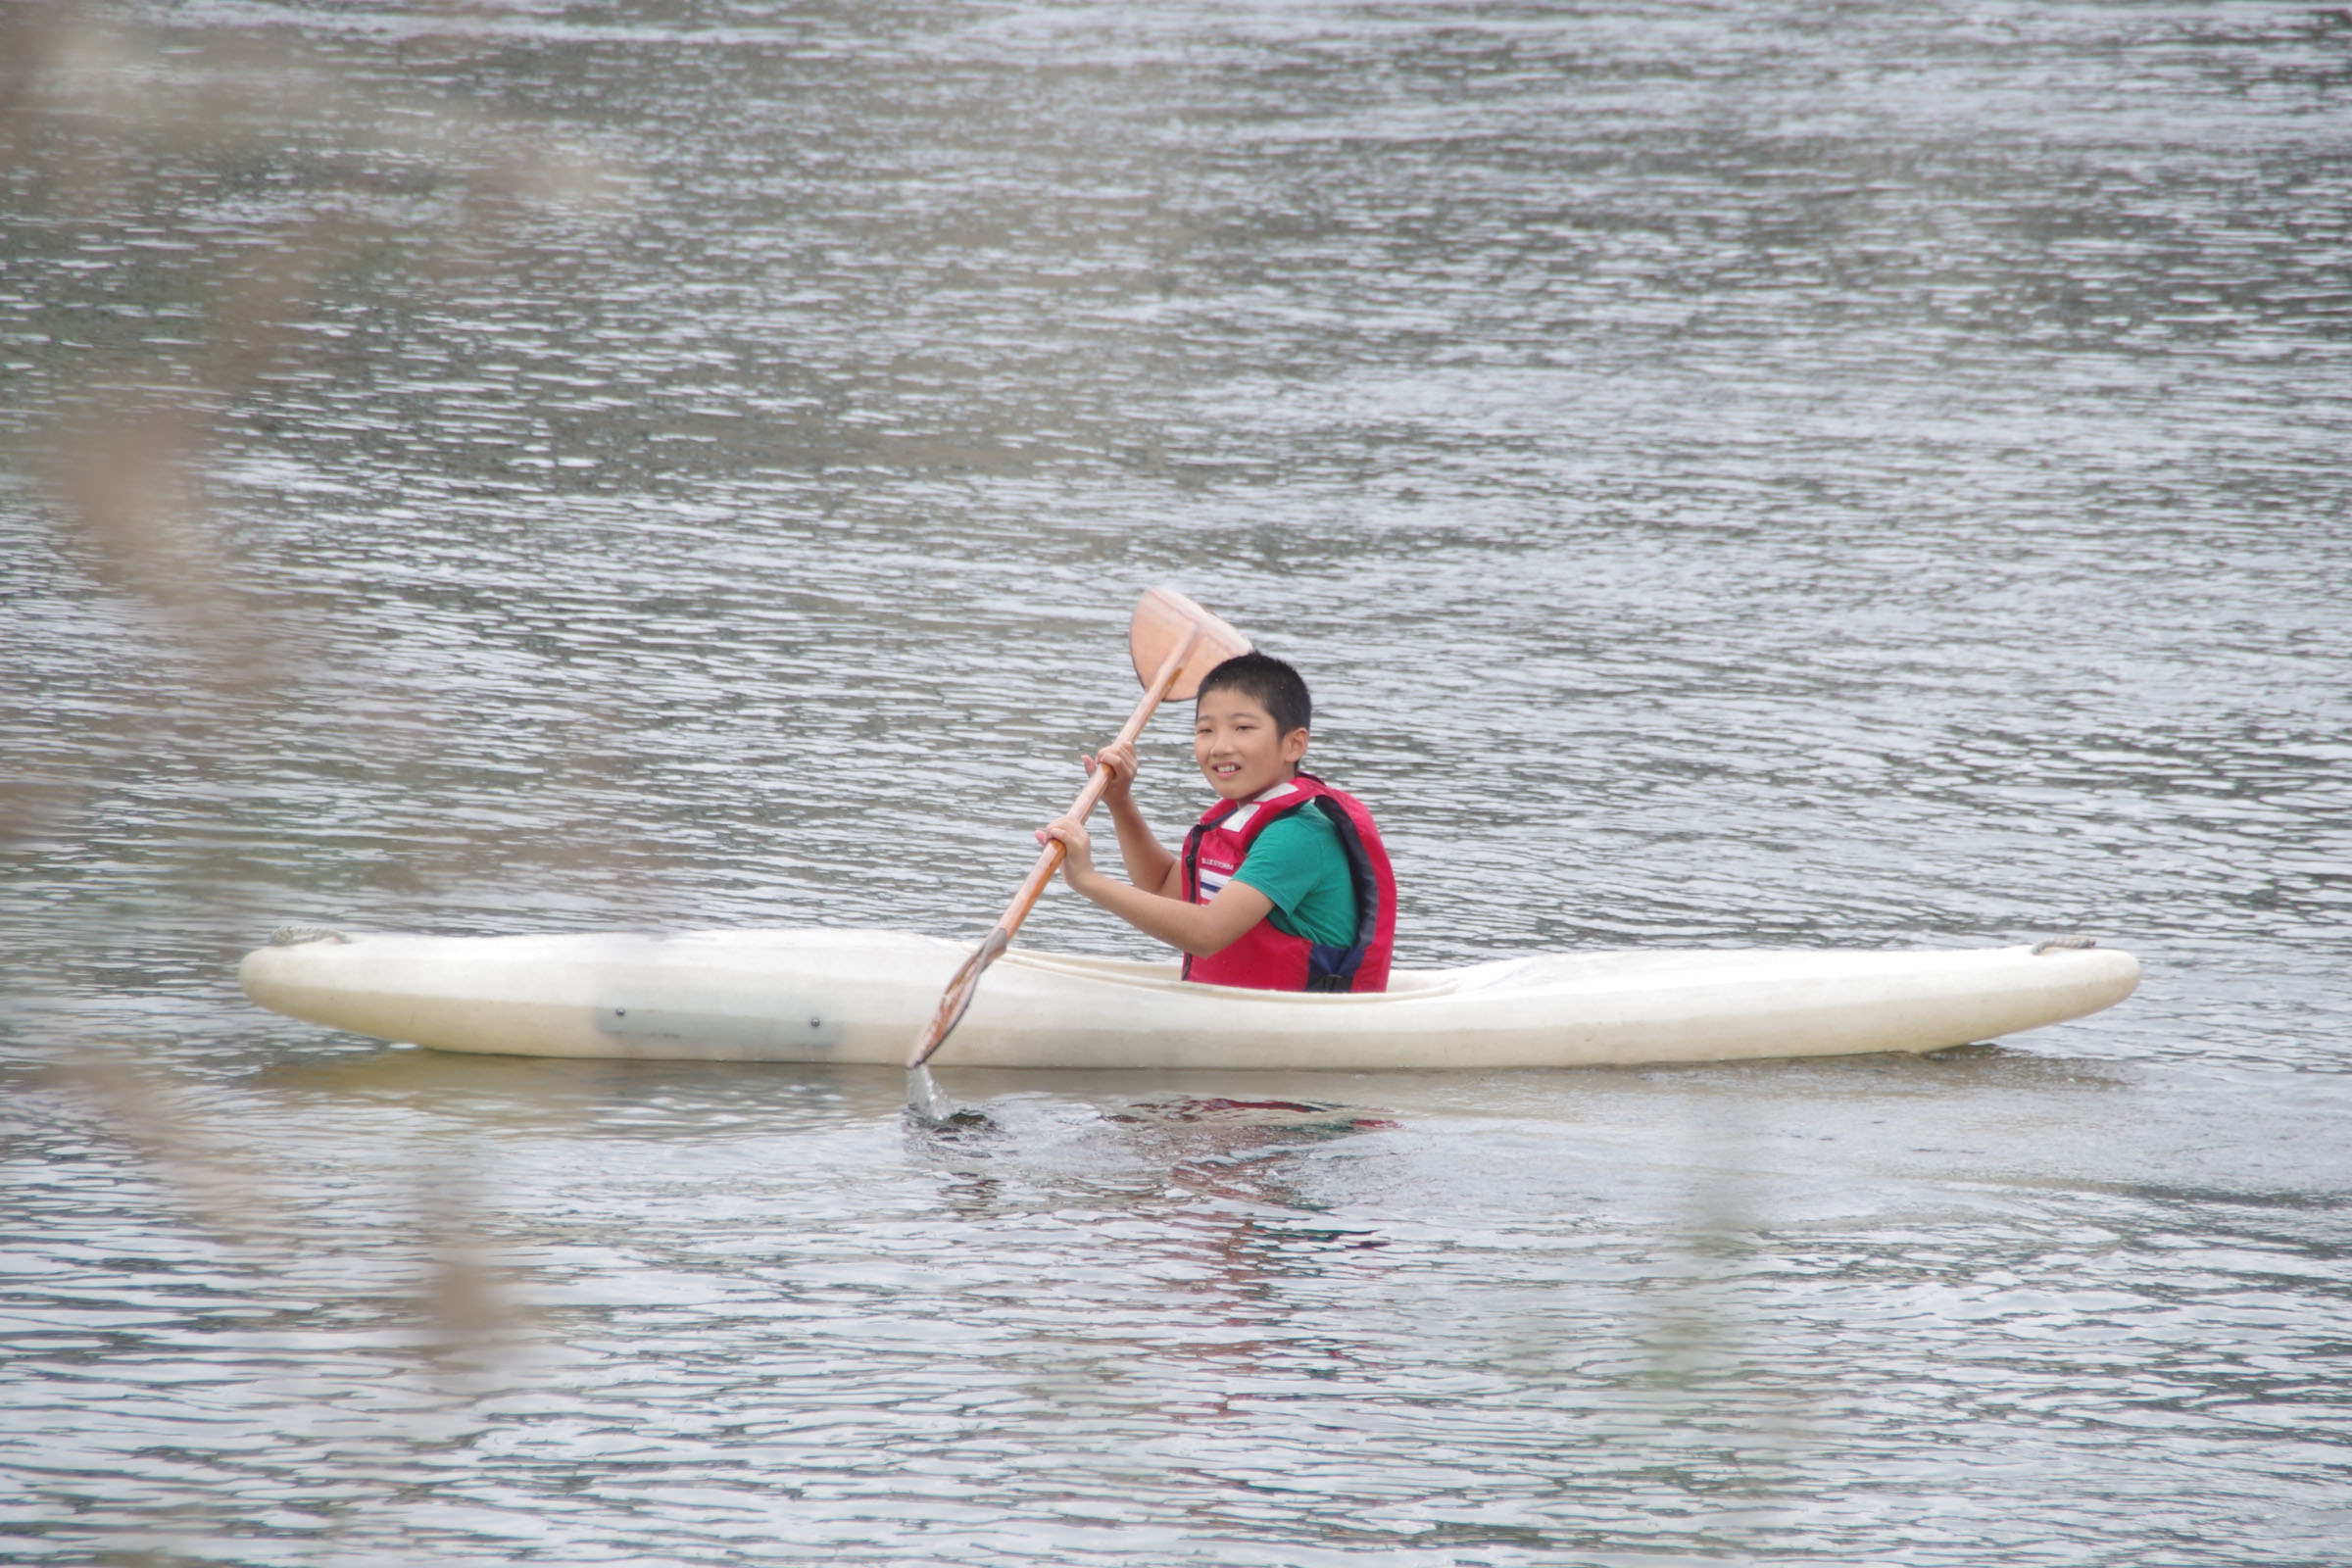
(857, 996)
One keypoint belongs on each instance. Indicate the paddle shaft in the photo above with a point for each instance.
(1050, 860)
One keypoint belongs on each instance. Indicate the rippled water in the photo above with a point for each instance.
(1744, 474)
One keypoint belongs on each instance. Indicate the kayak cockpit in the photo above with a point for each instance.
(1167, 974)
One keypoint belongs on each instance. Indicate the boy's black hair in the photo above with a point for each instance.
(1266, 681)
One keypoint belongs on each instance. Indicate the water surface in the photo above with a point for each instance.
(1735, 476)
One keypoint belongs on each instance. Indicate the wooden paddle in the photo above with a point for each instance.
(1174, 643)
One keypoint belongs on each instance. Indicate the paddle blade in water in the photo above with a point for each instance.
(958, 996)
(1162, 622)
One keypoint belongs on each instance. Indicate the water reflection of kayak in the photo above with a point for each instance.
(835, 996)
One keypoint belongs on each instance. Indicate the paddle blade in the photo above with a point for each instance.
(957, 997)
(1161, 622)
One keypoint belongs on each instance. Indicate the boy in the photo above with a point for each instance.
(1283, 885)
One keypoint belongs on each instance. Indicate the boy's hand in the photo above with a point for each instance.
(1119, 759)
(1078, 850)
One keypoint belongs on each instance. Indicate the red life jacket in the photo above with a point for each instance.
(1269, 960)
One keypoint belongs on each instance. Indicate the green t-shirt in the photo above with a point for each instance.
(1299, 864)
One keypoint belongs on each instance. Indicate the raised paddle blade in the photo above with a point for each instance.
(1162, 622)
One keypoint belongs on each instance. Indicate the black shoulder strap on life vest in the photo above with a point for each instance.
(1334, 969)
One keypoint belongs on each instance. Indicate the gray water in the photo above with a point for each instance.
(1735, 474)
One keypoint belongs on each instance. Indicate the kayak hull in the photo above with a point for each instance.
(860, 997)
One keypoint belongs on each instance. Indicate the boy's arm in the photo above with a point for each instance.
(1151, 865)
(1199, 929)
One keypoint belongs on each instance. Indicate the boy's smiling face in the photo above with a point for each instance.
(1240, 750)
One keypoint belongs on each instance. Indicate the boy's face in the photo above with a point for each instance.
(1238, 747)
